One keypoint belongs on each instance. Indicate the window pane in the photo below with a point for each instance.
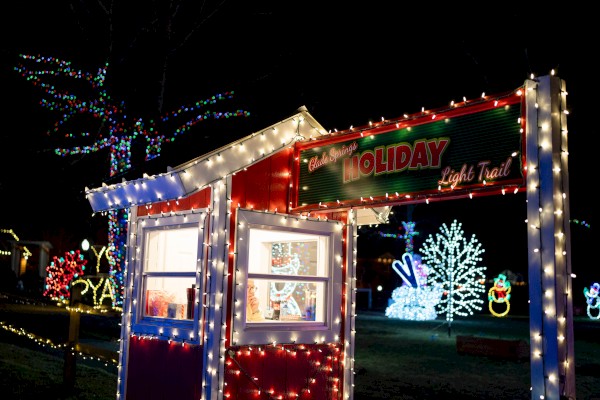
(170, 297)
(172, 250)
(278, 300)
(284, 253)
(294, 258)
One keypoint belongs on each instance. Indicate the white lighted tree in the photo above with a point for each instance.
(453, 262)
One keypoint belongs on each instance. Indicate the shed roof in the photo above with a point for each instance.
(202, 171)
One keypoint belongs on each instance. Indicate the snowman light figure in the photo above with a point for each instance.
(592, 300)
(499, 293)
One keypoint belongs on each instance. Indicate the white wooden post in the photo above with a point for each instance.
(549, 235)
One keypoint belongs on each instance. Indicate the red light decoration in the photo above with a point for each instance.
(282, 371)
(60, 274)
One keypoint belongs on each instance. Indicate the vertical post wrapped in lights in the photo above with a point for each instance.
(548, 234)
(128, 293)
(350, 293)
(216, 293)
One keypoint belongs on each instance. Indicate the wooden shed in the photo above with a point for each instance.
(240, 267)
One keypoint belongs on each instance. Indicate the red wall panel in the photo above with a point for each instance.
(197, 200)
(264, 185)
(157, 369)
(283, 372)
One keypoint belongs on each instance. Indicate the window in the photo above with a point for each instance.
(169, 274)
(289, 278)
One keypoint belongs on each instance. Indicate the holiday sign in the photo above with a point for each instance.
(433, 154)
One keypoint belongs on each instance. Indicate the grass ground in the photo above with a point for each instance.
(412, 360)
(394, 359)
(30, 374)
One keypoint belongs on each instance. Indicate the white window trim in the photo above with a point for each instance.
(267, 332)
(165, 328)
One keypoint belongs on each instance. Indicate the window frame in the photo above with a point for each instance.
(268, 331)
(169, 328)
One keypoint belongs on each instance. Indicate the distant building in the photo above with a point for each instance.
(27, 259)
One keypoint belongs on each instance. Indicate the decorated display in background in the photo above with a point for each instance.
(454, 262)
(103, 123)
(425, 153)
(61, 272)
(409, 228)
(414, 299)
(592, 300)
(25, 250)
(291, 300)
(100, 287)
(500, 293)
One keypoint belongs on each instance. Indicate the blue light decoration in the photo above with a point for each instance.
(592, 300)
(500, 293)
(414, 299)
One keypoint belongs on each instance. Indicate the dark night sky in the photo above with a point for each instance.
(346, 64)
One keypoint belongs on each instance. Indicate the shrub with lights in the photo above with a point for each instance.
(61, 272)
(454, 262)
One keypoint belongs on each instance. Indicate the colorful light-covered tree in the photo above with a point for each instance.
(144, 51)
(75, 93)
(60, 274)
(453, 262)
(104, 124)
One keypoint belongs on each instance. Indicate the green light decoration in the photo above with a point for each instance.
(453, 263)
(581, 223)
